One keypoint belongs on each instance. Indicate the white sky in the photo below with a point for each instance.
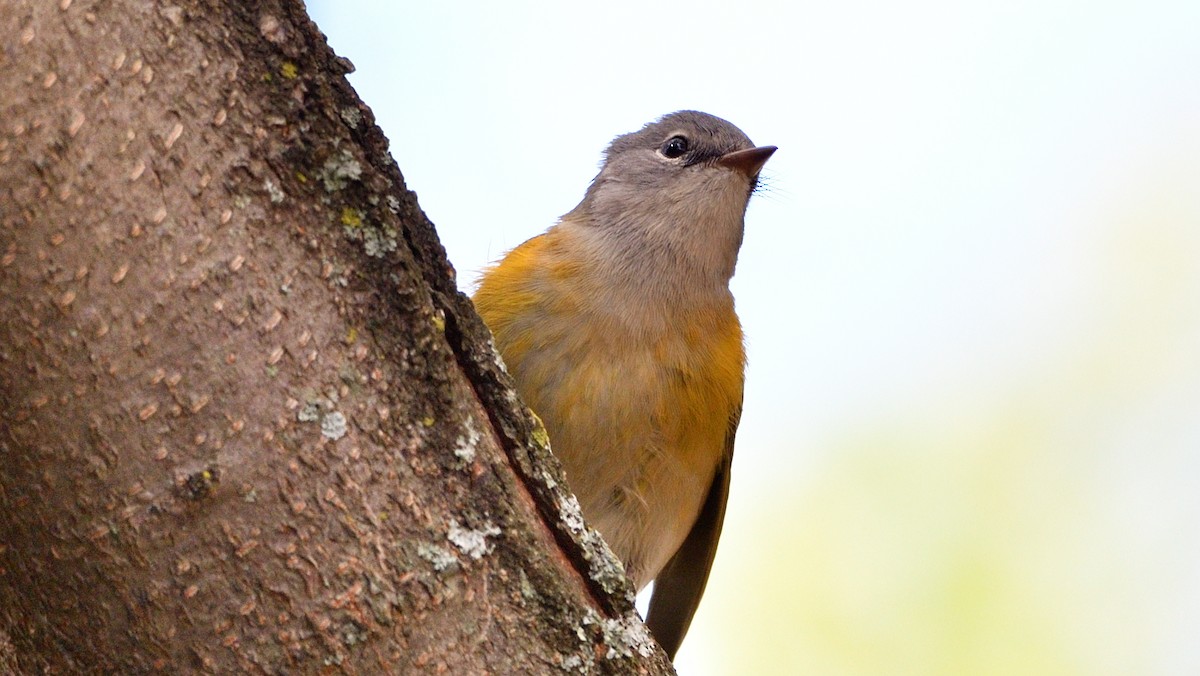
(949, 212)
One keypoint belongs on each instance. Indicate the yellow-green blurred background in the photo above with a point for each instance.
(971, 291)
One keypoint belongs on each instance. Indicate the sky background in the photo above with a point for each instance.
(971, 295)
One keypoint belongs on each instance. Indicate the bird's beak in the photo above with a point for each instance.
(749, 162)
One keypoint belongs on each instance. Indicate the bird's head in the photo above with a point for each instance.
(678, 186)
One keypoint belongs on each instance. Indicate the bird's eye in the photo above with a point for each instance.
(675, 146)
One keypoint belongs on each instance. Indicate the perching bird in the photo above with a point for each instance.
(618, 326)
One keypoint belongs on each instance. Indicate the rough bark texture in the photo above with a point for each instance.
(248, 422)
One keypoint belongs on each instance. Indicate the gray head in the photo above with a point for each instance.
(677, 188)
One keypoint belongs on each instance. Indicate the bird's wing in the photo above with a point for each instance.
(678, 588)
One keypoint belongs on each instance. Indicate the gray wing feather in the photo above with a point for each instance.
(678, 588)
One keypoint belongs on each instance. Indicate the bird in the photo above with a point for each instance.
(618, 328)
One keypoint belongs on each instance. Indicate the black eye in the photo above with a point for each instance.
(675, 147)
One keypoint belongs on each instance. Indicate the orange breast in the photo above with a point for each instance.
(637, 411)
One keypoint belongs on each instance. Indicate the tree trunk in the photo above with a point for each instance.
(248, 422)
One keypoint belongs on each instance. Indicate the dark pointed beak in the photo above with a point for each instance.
(749, 162)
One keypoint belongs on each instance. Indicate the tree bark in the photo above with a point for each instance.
(249, 424)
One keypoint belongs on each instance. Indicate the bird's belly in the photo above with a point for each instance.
(639, 444)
